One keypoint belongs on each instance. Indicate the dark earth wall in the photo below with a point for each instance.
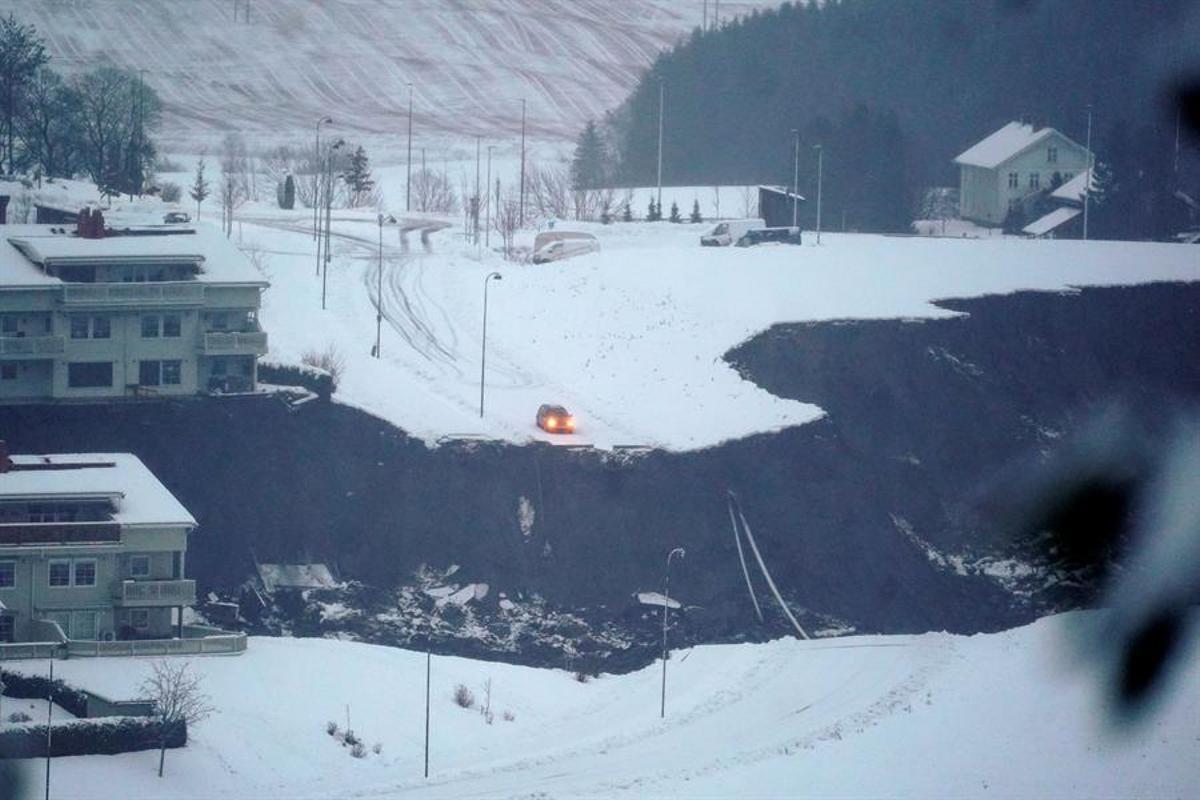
(922, 416)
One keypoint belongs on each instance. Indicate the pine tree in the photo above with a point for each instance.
(358, 178)
(675, 212)
(589, 164)
(22, 52)
(287, 193)
(199, 189)
(696, 212)
(627, 216)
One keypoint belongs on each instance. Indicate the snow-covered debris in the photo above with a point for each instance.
(296, 576)
(656, 599)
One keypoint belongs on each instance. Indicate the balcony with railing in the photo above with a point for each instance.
(133, 294)
(31, 346)
(143, 594)
(230, 343)
(44, 533)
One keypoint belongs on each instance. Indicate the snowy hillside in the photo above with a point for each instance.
(630, 339)
(471, 63)
(999, 715)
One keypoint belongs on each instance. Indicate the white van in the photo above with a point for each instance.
(728, 232)
(556, 245)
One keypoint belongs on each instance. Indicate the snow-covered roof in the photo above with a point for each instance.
(139, 497)
(1074, 189)
(295, 576)
(1044, 224)
(1013, 138)
(783, 190)
(27, 248)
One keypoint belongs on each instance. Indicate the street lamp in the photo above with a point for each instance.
(483, 355)
(408, 174)
(487, 227)
(795, 176)
(328, 216)
(820, 164)
(379, 290)
(1087, 186)
(317, 181)
(662, 712)
(660, 142)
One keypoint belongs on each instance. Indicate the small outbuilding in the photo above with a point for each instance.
(778, 206)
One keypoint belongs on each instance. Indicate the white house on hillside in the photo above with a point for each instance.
(1012, 165)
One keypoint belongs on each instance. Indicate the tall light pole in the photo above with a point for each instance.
(1087, 186)
(521, 223)
(660, 140)
(317, 184)
(379, 286)
(487, 227)
(820, 165)
(328, 217)
(408, 168)
(795, 176)
(428, 675)
(483, 354)
(662, 711)
(477, 200)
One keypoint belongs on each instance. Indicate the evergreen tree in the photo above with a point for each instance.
(288, 200)
(589, 165)
(200, 189)
(675, 213)
(22, 53)
(654, 214)
(358, 178)
(627, 216)
(696, 212)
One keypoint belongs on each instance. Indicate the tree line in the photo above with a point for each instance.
(97, 123)
(893, 91)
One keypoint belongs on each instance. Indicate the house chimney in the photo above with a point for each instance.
(81, 222)
(5, 462)
(97, 224)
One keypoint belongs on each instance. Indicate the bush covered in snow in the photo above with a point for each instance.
(464, 697)
(84, 737)
(312, 378)
(38, 687)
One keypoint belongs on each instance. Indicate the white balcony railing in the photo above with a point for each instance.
(108, 294)
(232, 344)
(155, 593)
(31, 346)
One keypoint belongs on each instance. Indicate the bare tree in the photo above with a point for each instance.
(234, 186)
(178, 702)
(432, 192)
(550, 190)
(507, 220)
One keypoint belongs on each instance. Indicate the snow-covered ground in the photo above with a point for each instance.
(999, 715)
(630, 339)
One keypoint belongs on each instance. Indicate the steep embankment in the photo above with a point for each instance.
(861, 516)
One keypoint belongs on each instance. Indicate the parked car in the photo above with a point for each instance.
(172, 217)
(729, 231)
(769, 236)
(555, 419)
(557, 245)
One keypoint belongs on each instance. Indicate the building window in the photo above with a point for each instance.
(148, 372)
(171, 326)
(139, 566)
(150, 326)
(8, 574)
(1035, 180)
(85, 573)
(1013, 180)
(101, 327)
(89, 374)
(8, 372)
(60, 573)
(79, 327)
(6, 628)
(139, 618)
(1052, 155)
(8, 325)
(171, 371)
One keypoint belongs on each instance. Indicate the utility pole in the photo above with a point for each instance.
(487, 226)
(483, 354)
(328, 218)
(379, 288)
(662, 712)
(1087, 185)
(660, 142)
(476, 200)
(521, 223)
(317, 186)
(820, 165)
(428, 674)
(408, 176)
(795, 176)
(704, 25)
(49, 726)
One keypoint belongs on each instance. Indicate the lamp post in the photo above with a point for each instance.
(408, 168)
(483, 354)
(317, 184)
(521, 223)
(1087, 187)
(820, 164)
(487, 226)
(660, 142)
(379, 287)
(795, 176)
(476, 201)
(328, 217)
(662, 712)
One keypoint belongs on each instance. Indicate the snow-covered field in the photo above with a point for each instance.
(999, 715)
(470, 63)
(630, 339)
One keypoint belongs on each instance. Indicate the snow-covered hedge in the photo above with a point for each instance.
(37, 687)
(314, 379)
(85, 737)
